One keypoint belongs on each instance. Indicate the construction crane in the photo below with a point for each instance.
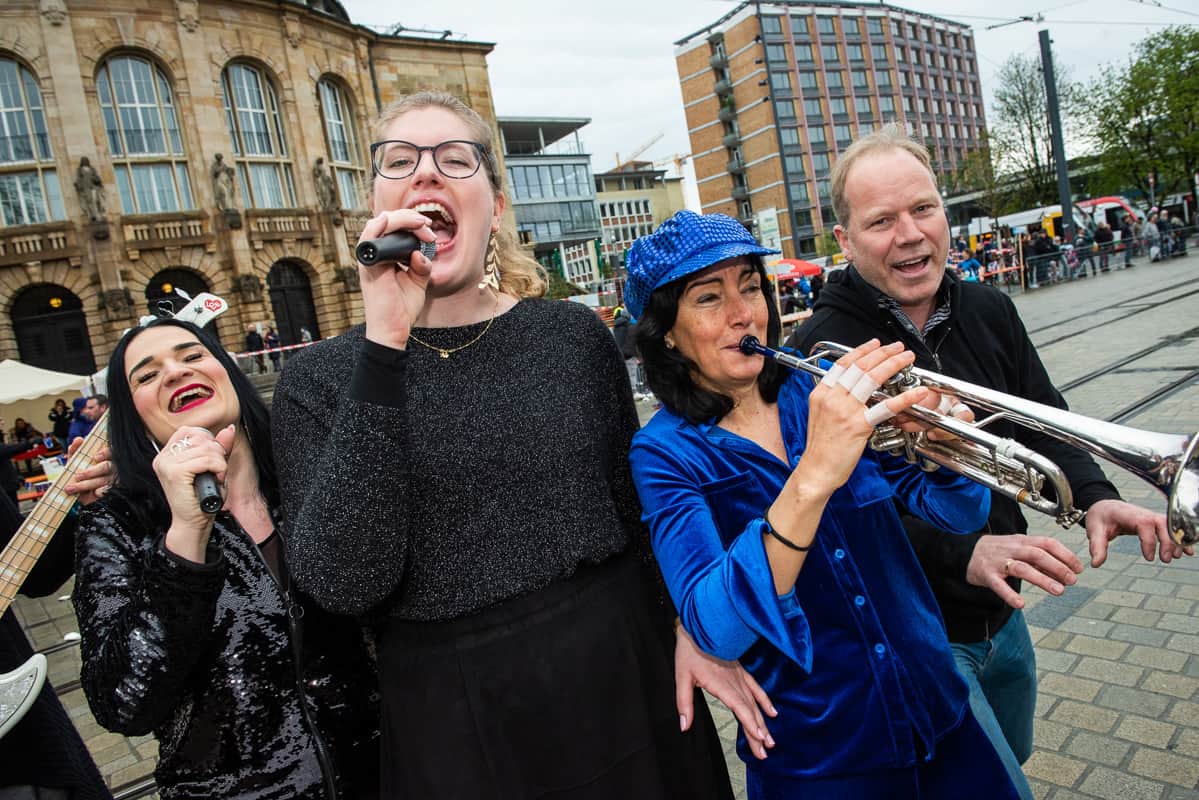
(637, 152)
(678, 159)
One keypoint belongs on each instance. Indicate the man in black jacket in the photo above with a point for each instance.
(893, 229)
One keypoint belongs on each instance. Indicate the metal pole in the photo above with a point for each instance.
(1059, 147)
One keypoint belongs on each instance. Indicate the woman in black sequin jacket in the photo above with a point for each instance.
(190, 627)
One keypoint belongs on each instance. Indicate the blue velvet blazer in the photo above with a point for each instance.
(855, 657)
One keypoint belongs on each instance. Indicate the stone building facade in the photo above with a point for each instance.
(149, 145)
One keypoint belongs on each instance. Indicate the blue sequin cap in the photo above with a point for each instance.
(683, 244)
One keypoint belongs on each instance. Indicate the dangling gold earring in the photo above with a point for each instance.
(491, 265)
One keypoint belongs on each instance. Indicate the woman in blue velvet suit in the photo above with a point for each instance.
(778, 536)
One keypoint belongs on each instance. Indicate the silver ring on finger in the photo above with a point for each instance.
(178, 447)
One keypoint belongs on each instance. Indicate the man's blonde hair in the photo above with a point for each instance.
(520, 274)
(889, 137)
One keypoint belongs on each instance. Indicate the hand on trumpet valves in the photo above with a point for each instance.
(837, 415)
(1040, 560)
(1107, 519)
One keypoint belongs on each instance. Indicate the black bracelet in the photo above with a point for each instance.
(770, 529)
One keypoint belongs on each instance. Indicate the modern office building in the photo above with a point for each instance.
(774, 91)
(553, 195)
(633, 199)
(209, 146)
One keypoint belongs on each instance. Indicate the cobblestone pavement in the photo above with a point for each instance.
(1117, 654)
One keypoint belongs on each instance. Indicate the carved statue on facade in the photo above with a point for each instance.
(90, 190)
(117, 304)
(223, 187)
(249, 287)
(326, 191)
(349, 275)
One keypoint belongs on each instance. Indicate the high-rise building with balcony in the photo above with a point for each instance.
(773, 92)
(553, 194)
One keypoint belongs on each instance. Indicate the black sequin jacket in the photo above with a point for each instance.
(207, 658)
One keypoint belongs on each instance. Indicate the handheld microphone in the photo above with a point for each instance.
(395, 246)
(208, 493)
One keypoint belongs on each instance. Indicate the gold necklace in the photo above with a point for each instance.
(444, 352)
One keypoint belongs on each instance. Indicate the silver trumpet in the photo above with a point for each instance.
(1168, 461)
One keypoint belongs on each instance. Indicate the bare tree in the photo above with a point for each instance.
(1021, 144)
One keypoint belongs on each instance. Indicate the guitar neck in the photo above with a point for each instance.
(21, 554)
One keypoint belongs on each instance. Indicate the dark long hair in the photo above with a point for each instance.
(131, 445)
(671, 375)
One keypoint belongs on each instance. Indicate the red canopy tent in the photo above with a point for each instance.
(796, 268)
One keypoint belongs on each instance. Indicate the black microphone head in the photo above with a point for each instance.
(749, 345)
(366, 252)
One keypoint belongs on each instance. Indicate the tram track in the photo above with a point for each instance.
(1122, 303)
(1151, 307)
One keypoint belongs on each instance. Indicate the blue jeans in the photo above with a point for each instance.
(1002, 675)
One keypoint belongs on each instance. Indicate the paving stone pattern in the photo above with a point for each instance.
(1117, 654)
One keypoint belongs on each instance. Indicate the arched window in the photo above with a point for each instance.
(143, 136)
(345, 157)
(256, 133)
(29, 190)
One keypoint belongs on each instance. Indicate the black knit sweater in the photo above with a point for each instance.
(428, 488)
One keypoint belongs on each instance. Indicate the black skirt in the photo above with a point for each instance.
(566, 693)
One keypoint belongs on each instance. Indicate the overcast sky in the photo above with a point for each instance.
(613, 60)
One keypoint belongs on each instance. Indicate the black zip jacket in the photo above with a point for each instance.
(209, 657)
(983, 342)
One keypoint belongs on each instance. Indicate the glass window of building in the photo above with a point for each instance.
(803, 53)
(811, 108)
(781, 82)
(950, 86)
(903, 79)
(808, 80)
(879, 53)
(928, 34)
(822, 189)
(256, 135)
(919, 80)
(807, 246)
(936, 82)
(928, 130)
(785, 109)
(793, 166)
(771, 24)
(830, 53)
(882, 78)
(803, 217)
(941, 38)
(776, 54)
(142, 130)
(907, 104)
(852, 26)
(924, 105)
(344, 153)
(838, 106)
(826, 26)
(917, 58)
(835, 80)
(798, 193)
(938, 106)
(816, 135)
(29, 189)
(842, 134)
(799, 26)
(862, 106)
(896, 28)
(861, 80)
(855, 52)
(789, 137)
(886, 104)
(944, 61)
(874, 26)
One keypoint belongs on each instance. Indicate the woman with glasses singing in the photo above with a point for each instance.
(456, 470)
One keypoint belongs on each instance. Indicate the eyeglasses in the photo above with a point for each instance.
(395, 159)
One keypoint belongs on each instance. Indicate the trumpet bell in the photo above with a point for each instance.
(1182, 515)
